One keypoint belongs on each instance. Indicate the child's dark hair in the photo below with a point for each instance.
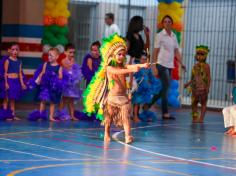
(10, 44)
(69, 46)
(135, 25)
(167, 16)
(96, 43)
(110, 15)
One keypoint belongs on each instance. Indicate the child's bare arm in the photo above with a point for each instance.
(208, 75)
(146, 65)
(90, 63)
(187, 84)
(121, 71)
(21, 78)
(42, 72)
(6, 65)
(60, 73)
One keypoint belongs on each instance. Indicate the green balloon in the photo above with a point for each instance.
(63, 30)
(44, 41)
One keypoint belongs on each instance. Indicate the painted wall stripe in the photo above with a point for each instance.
(22, 40)
(16, 30)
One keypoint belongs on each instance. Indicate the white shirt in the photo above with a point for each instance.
(167, 45)
(111, 30)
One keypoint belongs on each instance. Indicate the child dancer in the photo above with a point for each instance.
(147, 86)
(49, 81)
(14, 84)
(200, 83)
(108, 88)
(91, 62)
(71, 79)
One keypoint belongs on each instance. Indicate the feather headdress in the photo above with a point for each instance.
(94, 95)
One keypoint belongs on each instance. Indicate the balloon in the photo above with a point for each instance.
(55, 20)
(46, 48)
(60, 48)
(173, 101)
(61, 21)
(45, 57)
(174, 84)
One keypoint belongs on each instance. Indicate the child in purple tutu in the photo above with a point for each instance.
(71, 79)
(91, 62)
(13, 82)
(49, 81)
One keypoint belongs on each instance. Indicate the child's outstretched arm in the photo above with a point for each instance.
(127, 70)
(146, 65)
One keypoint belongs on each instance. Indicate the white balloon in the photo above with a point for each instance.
(46, 48)
(60, 48)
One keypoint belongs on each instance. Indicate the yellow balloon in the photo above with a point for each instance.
(49, 5)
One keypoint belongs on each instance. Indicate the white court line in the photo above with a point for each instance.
(115, 136)
(16, 151)
(51, 148)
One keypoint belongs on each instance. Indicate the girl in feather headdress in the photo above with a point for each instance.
(107, 94)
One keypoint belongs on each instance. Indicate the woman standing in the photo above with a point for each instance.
(166, 48)
(136, 46)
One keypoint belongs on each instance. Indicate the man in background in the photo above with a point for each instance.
(111, 27)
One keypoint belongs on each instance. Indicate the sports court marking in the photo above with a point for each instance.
(115, 137)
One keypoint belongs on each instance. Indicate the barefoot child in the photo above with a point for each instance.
(145, 89)
(200, 83)
(49, 81)
(71, 79)
(14, 83)
(107, 93)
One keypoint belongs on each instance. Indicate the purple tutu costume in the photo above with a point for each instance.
(51, 85)
(71, 81)
(87, 73)
(50, 89)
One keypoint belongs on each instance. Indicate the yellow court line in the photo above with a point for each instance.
(25, 132)
(49, 130)
(160, 170)
(14, 173)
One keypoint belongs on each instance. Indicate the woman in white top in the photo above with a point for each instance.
(165, 49)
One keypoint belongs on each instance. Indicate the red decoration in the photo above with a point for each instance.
(61, 57)
(45, 57)
(175, 70)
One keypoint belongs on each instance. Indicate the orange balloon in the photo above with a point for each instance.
(178, 27)
(61, 21)
(48, 20)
